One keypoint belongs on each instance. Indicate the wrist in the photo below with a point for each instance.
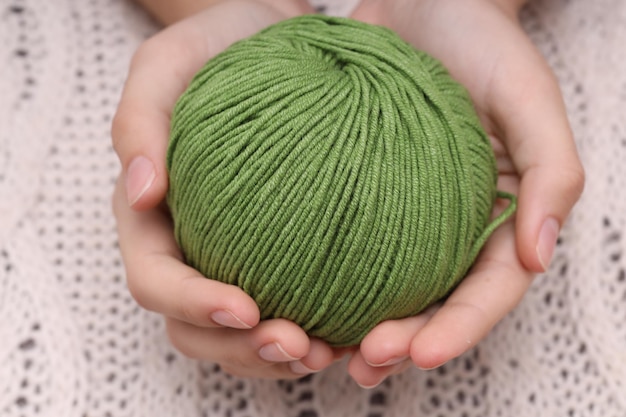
(510, 7)
(168, 12)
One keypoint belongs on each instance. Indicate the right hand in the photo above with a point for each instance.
(517, 98)
(206, 319)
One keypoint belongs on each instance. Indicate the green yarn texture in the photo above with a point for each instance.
(336, 174)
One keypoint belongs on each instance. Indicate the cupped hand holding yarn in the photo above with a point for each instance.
(336, 174)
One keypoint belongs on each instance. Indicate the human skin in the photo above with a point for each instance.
(520, 106)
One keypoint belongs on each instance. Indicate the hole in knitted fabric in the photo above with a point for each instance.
(306, 396)
(27, 344)
(170, 357)
(287, 386)
(242, 404)
(460, 397)
(378, 398)
(305, 379)
(468, 364)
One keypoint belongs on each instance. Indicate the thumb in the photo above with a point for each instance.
(160, 71)
(534, 126)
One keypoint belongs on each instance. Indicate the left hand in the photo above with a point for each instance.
(205, 319)
(519, 103)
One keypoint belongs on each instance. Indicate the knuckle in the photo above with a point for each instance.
(146, 50)
(574, 180)
(243, 357)
(118, 126)
(137, 292)
(116, 199)
(188, 307)
(124, 119)
(233, 370)
(241, 367)
(187, 313)
(121, 127)
(177, 337)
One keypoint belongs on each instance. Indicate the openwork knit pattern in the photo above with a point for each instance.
(74, 343)
(336, 174)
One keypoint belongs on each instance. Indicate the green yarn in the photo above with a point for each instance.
(333, 172)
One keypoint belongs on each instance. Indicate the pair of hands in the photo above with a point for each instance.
(519, 103)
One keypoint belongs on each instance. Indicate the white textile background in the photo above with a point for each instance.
(74, 343)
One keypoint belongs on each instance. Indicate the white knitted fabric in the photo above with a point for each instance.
(73, 343)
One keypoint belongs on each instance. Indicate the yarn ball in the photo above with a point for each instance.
(334, 173)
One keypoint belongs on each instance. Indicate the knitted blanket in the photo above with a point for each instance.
(74, 343)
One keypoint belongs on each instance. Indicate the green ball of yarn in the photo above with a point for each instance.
(336, 174)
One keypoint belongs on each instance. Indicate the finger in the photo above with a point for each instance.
(291, 8)
(494, 287)
(159, 73)
(519, 100)
(532, 121)
(160, 281)
(319, 357)
(262, 352)
(388, 343)
(369, 377)
(384, 350)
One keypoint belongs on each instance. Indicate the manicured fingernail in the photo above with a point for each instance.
(139, 178)
(369, 386)
(227, 319)
(548, 235)
(428, 369)
(390, 362)
(273, 352)
(297, 367)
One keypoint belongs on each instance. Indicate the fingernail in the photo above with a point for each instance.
(274, 352)
(369, 386)
(548, 235)
(297, 367)
(139, 178)
(428, 369)
(390, 362)
(227, 319)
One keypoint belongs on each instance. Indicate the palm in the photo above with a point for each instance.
(485, 50)
(206, 319)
